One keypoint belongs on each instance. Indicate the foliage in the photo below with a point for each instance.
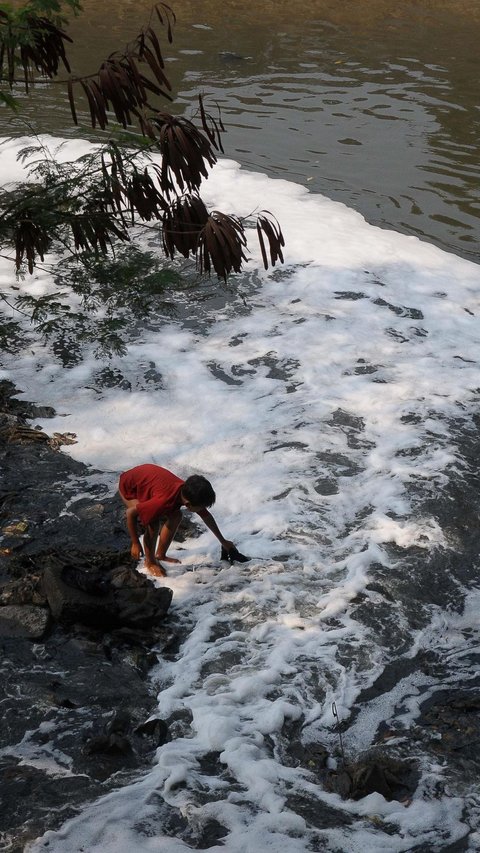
(90, 207)
(83, 211)
(31, 39)
(96, 299)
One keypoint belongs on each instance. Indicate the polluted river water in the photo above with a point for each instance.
(333, 403)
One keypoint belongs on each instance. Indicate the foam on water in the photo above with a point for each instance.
(313, 410)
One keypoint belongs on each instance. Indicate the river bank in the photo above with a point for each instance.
(76, 694)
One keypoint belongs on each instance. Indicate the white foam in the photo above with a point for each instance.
(342, 379)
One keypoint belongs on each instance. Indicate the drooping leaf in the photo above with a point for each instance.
(182, 223)
(221, 245)
(267, 225)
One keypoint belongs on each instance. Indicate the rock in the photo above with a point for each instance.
(156, 729)
(142, 608)
(112, 744)
(132, 600)
(16, 528)
(25, 621)
(313, 756)
(452, 722)
(69, 605)
(25, 434)
(375, 772)
(113, 740)
(340, 782)
(28, 590)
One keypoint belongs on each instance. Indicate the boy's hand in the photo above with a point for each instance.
(233, 555)
(136, 550)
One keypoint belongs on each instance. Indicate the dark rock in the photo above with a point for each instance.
(131, 600)
(117, 734)
(211, 834)
(313, 756)
(142, 607)
(119, 724)
(326, 486)
(24, 621)
(27, 590)
(155, 729)
(112, 744)
(87, 580)
(452, 722)
(70, 605)
(341, 782)
(376, 771)
(23, 787)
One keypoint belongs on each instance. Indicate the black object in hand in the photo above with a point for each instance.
(233, 556)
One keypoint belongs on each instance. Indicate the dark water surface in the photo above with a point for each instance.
(371, 103)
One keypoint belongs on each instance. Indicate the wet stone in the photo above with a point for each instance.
(316, 813)
(345, 419)
(312, 756)
(219, 373)
(79, 592)
(23, 784)
(365, 369)
(340, 465)
(156, 729)
(24, 621)
(326, 486)
(110, 378)
(375, 772)
(350, 295)
(452, 720)
(400, 310)
(24, 590)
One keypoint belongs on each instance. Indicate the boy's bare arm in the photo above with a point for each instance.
(136, 548)
(209, 520)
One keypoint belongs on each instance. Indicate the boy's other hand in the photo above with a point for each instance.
(136, 550)
(233, 555)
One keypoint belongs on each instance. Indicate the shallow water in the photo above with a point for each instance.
(371, 103)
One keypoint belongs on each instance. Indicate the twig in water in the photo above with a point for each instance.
(335, 714)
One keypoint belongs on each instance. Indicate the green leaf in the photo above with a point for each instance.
(9, 101)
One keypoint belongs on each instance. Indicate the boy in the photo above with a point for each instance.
(150, 493)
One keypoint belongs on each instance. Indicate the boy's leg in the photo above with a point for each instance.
(150, 537)
(166, 536)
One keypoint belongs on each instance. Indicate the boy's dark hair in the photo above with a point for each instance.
(198, 491)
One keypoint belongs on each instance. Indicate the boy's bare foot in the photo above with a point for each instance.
(167, 559)
(156, 570)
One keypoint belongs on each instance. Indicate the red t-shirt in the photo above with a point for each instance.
(157, 490)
